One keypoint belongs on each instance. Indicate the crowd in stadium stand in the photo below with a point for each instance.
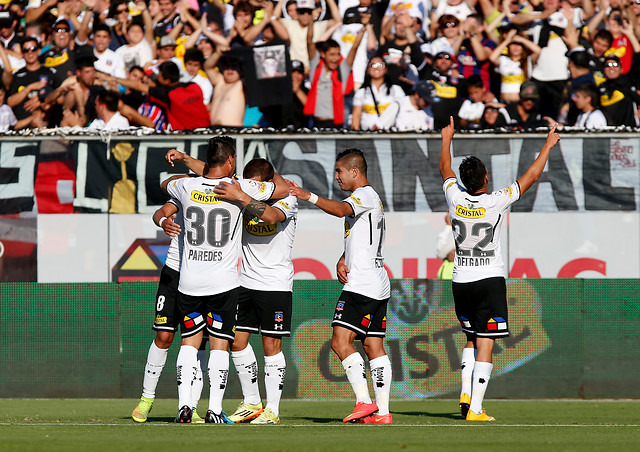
(329, 64)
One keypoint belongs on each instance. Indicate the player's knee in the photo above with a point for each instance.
(271, 345)
(164, 339)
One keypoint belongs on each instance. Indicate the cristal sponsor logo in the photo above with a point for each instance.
(257, 227)
(356, 200)
(204, 198)
(161, 320)
(470, 213)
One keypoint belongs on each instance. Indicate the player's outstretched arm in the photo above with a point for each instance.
(339, 209)
(445, 153)
(536, 168)
(163, 218)
(260, 209)
(195, 165)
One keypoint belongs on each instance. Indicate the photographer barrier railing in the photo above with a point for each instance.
(570, 338)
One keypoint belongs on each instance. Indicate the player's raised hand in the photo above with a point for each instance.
(300, 193)
(174, 156)
(229, 191)
(170, 228)
(553, 137)
(447, 132)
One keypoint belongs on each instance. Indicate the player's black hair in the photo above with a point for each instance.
(260, 168)
(472, 172)
(589, 89)
(110, 99)
(354, 157)
(170, 71)
(219, 149)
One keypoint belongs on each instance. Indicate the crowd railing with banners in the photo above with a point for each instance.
(570, 338)
(78, 209)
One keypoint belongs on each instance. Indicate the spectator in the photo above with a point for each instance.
(525, 113)
(107, 111)
(138, 110)
(8, 37)
(375, 96)
(118, 20)
(7, 119)
(413, 112)
(621, 45)
(297, 29)
(182, 101)
(166, 51)
(168, 20)
(347, 35)
(513, 66)
(245, 32)
(450, 90)
(475, 50)
(449, 34)
(79, 106)
(194, 63)
(331, 80)
(402, 55)
(473, 107)
(228, 103)
(580, 71)
(493, 116)
(587, 101)
(108, 61)
(618, 98)
(138, 51)
(59, 57)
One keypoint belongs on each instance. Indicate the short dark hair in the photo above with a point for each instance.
(110, 99)
(604, 34)
(261, 168)
(135, 67)
(354, 157)
(474, 80)
(323, 46)
(194, 54)
(219, 149)
(101, 26)
(472, 172)
(589, 89)
(30, 39)
(170, 71)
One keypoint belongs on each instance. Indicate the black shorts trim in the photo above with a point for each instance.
(363, 315)
(264, 311)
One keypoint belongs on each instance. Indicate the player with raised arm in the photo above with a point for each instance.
(479, 287)
(265, 298)
(208, 287)
(167, 318)
(362, 307)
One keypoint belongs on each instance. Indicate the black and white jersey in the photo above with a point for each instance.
(476, 221)
(266, 250)
(212, 229)
(364, 237)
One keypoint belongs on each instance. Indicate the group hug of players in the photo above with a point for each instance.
(201, 290)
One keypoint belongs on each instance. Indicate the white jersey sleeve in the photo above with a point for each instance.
(266, 250)
(175, 247)
(364, 239)
(477, 221)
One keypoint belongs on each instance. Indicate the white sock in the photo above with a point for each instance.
(354, 367)
(275, 368)
(186, 368)
(218, 373)
(481, 376)
(381, 376)
(466, 369)
(156, 358)
(198, 383)
(246, 366)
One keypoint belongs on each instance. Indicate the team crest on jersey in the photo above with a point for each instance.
(464, 322)
(340, 306)
(497, 324)
(214, 321)
(279, 317)
(208, 197)
(366, 321)
(192, 320)
(470, 213)
(356, 200)
(259, 228)
(160, 320)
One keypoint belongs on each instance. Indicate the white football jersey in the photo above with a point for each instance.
(364, 236)
(476, 221)
(175, 247)
(266, 250)
(212, 231)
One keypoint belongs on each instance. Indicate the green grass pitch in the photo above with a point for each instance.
(96, 425)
